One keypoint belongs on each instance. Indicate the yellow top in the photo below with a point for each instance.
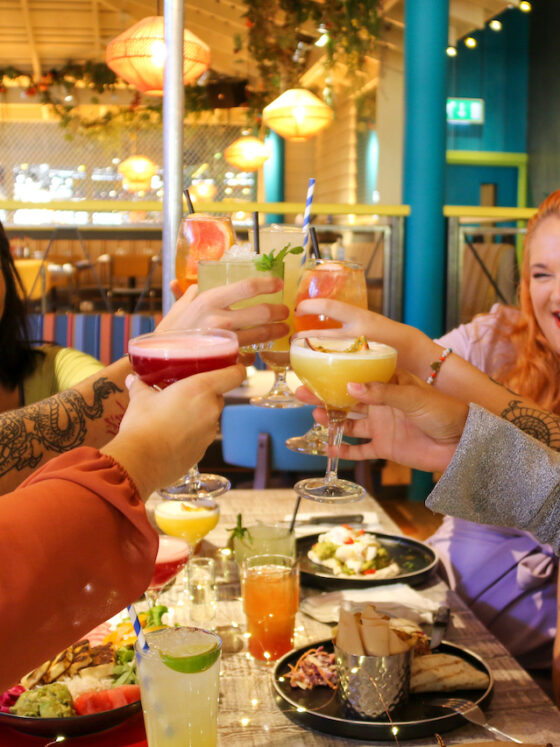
(58, 369)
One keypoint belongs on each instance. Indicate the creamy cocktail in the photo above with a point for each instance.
(189, 520)
(179, 685)
(326, 365)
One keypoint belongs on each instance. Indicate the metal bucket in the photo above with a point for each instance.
(373, 685)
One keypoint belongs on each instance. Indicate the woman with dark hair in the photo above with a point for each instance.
(30, 372)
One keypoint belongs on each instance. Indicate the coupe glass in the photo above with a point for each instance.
(326, 365)
(200, 237)
(325, 278)
(172, 557)
(160, 359)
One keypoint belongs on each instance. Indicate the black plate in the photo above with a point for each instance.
(323, 710)
(416, 559)
(73, 726)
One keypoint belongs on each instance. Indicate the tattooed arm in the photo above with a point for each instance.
(89, 414)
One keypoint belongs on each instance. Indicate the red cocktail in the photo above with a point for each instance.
(172, 556)
(162, 358)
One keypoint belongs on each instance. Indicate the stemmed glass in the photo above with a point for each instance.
(279, 395)
(160, 359)
(325, 278)
(326, 365)
(200, 237)
(171, 558)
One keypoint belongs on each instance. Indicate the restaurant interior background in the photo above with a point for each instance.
(62, 142)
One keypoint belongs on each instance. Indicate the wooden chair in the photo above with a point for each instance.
(131, 280)
(478, 294)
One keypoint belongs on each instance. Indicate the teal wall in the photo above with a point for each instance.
(497, 70)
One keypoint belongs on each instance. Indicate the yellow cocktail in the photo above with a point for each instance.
(326, 365)
(191, 521)
(328, 373)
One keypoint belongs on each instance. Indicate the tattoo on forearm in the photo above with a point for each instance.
(56, 424)
(542, 425)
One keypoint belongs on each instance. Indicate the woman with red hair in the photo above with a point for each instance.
(505, 575)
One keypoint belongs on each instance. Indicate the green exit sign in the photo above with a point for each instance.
(465, 111)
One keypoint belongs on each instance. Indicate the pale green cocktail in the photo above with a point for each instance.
(179, 685)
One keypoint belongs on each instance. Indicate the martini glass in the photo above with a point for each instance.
(160, 359)
(325, 278)
(171, 558)
(326, 365)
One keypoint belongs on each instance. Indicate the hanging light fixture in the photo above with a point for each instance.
(138, 56)
(137, 172)
(246, 153)
(297, 115)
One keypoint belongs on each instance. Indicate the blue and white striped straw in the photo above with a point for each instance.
(137, 628)
(307, 219)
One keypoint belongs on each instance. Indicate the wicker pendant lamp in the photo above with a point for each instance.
(138, 56)
(137, 172)
(297, 115)
(246, 153)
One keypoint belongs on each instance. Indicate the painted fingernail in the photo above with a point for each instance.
(129, 381)
(356, 388)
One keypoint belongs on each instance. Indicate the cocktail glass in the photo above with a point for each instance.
(179, 684)
(189, 520)
(200, 237)
(212, 274)
(160, 359)
(264, 539)
(326, 368)
(270, 591)
(171, 558)
(275, 238)
(325, 278)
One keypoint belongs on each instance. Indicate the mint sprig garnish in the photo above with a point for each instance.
(267, 262)
(238, 531)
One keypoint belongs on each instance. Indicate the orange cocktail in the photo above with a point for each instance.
(270, 590)
(200, 237)
(329, 278)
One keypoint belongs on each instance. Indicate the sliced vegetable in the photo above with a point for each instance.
(106, 700)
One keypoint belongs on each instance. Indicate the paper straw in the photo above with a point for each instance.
(189, 201)
(314, 242)
(256, 233)
(307, 217)
(137, 628)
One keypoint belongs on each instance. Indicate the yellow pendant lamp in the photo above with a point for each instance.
(138, 56)
(297, 115)
(246, 153)
(137, 172)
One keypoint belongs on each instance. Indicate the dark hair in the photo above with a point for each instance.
(17, 357)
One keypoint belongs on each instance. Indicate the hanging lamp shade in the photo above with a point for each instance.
(138, 56)
(297, 115)
(246, 153)
(137, 172)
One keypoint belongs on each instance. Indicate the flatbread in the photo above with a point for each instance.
(442, 672)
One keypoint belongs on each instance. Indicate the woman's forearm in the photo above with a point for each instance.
(89, 414)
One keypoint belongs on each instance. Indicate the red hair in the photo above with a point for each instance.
(536, 371)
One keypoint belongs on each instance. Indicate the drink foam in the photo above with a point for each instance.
(183, 347)
(376, 350)
(171, 549)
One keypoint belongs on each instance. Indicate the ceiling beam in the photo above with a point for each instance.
(96, 29)
(35, 61)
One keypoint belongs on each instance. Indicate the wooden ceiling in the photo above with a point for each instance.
(37, 35)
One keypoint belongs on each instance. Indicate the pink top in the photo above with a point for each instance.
(481, 343)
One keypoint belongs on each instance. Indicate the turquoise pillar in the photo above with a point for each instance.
(425, 42)
(273, 172)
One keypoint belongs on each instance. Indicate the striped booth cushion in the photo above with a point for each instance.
(104, 336)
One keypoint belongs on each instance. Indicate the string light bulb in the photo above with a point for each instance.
(451, 51)
(525, 6)
(470, 42)
(495, 25)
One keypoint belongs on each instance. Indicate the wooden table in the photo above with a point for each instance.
(248, 712)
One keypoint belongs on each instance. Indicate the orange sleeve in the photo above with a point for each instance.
(75, 548)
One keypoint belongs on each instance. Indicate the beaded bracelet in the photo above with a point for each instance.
(436, 365)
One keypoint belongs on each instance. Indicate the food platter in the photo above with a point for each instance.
(72, 726)
(416, 559)
(323, 710)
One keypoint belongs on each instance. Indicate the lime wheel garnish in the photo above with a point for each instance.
(193, 663)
